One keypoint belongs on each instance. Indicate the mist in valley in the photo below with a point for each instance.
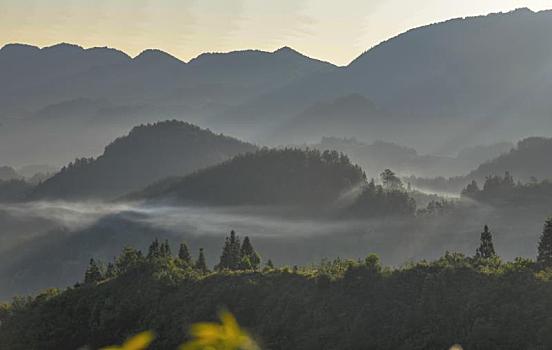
(48, 244)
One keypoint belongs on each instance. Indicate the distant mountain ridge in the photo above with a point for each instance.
(443, 87)
(99, 92)
(147, 154)
(472, 75)
(527, 162)
(28, 66)
(529, 159)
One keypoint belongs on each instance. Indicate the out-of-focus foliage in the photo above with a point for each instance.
(140, 341)
(224, 336)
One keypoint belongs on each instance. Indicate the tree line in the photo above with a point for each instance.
(477, 301)
(235, 256)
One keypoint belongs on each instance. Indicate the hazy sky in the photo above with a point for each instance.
(336, 31)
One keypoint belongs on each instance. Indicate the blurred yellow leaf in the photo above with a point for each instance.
(224, 336)
(138, 342)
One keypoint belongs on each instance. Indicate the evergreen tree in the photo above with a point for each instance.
(231, 257)
(93, 273)
(154, 250)
(224, 262)
(201, 264)
(472, 190)
(246, 248)
(269, 264)
(390, 180)
(544, 257)
(184, 254)
(245, 264)
(110, 271)
(247, 251)
(235, 251)
(486, 248)
(165, 250)
(129, 259)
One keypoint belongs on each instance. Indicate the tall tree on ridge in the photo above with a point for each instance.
(544, 257)
(486, 247)
(184, 254)
(201, 264)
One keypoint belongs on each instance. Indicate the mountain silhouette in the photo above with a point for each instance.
(528, 161)
(443, 87)
(147, 154)
(462, 78)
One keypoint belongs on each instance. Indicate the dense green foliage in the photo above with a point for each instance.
(267, 177)
(479, 302)
(337, 305)
(147, 154)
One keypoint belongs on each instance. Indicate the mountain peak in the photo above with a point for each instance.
(17, 49)
(287, 51)
(107, 50)
(523, 10)
(63, 47)
(156, 56)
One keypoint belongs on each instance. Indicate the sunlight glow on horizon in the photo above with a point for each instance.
(335, 32)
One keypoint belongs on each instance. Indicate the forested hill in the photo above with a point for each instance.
(528, 162)
(267, 177)
(147, 154)
(479, 302)
(529, 159)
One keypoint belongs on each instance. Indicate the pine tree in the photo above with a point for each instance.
(154, 250)
(544, 257)
(472, 190)
(486, 248)
(93, 273)
(269, 264)
(231, 253)
(110, 271)
(390, 180)
(248, 252)
(129, 259)
(235, 251)
(246, 248)
(224, 262)
(245, 264)
(200, 264)
(165, 250)
(184, 254)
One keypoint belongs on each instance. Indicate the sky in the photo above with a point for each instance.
(334, 31)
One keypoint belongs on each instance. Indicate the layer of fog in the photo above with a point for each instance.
(48, 244)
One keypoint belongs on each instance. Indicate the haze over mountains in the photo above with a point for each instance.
(147, 154)
(438, 88)
(442, 100)
(448, 84)
(527, 162)
(379, 155)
